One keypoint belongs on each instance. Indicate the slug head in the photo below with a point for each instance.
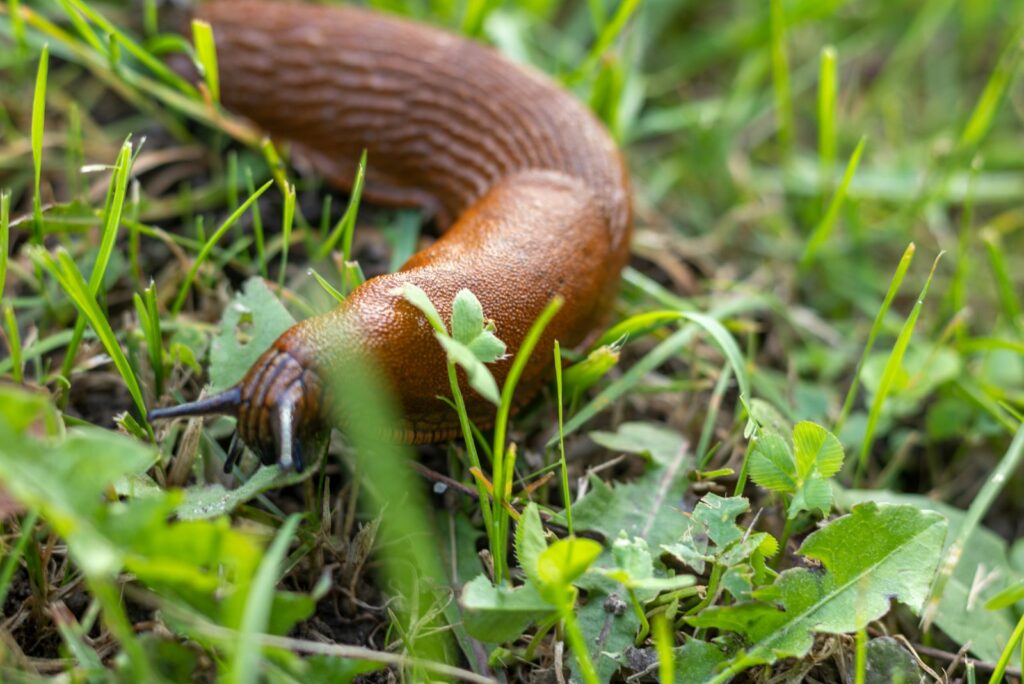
(278, 405)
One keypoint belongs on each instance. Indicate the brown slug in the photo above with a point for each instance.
(529, 189)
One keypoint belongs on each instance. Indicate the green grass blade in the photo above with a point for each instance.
(63, 268)
(286, 231)
(13, 343)
(206, 52)
(5, 236)
(38, 124)
(994, 93)
(561, 441)
(245, 665)
(665, 350)
(14, 554)
(780, 81)
(824, 229)
(499, 474)
(257, 225)
(346, 225)
(827, 89)
(608, 35)
(179, 301)
(876, 327)
(1007, 291)
(892, 367)
(1009, 464)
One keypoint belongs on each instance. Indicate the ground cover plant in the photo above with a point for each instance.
(793, 454)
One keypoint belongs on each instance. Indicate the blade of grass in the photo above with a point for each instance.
(257, 224)
(994, 93)
(566, 500)
(608, 35)
(876, 327)
(345, 227)
(823, 231)
(286, 231)
(108, 238)
(1004, 659)
(1009, 464)
(827, 119)
(5, 236)
(665, 350)
(500, 428)
(245, 664)
(784, 120)
(13, 344)
(152, 62)
(1008, 299)
(206, 52)
(38, 124)
(892, 367)
(179, 301)
(63, 268)
(14, 554)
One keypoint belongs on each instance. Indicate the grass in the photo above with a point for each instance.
(771, 284)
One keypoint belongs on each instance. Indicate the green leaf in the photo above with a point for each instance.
(888, 661)
(876, 554)
(499, 614)
(718, 516)
(530, 542)
(816, 450)
(653, 441)
(477, 375)
(772, 465)
(418, 298)
(467, 316)
(250, 324)
(635, 570)
(562, 563)
(813, 495)
(696, 661)
(962, 614)
(202, 502)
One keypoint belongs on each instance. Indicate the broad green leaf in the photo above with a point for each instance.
(962, 613)
(888, 661)
(203, 502)
(696, 661)
(875, 554)
(635, 570)
(816, 450)
(530, 542)
(651, 440)
(772, 465)
(250, 324)
(562, 563)
(498, 614)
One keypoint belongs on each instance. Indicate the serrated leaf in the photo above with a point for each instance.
(498, 614)
(250, 324)
(718, 516)
(875, 554)
(772, 465)
(962, 614)
(530, 543)
(477, 375)
(816, 449)
(467, 317)
(562, 563)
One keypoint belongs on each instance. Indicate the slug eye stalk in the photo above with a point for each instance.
(277, 405)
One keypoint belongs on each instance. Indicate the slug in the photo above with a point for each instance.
(527, 187)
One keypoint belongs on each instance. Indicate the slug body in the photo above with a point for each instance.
(528, 188)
